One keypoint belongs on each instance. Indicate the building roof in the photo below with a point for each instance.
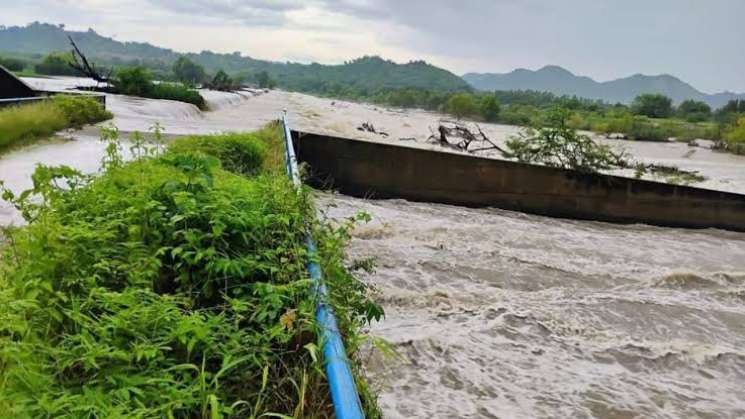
(13, 87)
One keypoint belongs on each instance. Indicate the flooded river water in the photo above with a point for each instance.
(498, 314)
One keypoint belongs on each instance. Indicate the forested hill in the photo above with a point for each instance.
(560, 82)
(364, 75)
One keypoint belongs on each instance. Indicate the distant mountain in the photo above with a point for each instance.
(560, 81)
(366, 74)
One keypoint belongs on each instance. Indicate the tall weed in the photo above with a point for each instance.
(29, 122)
(169, 287)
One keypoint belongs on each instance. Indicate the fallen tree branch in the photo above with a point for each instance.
(369, 127)
(461, 138)
(81, 64)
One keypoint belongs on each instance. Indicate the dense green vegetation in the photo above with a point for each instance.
(25, 123)
(363, 76)
(653, 105)
(734, 139)
(173, 286)
(557, 144)
(528, 108)
(56, 64)
(694, 111)
(13, 64)
(652, 117)
(137, 81)
(187, 72)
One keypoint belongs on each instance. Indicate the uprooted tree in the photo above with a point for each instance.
(460, 137)
(80, 63)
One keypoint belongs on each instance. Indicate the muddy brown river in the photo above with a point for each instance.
(498, 314)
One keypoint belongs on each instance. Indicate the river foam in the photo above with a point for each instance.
(501, 314)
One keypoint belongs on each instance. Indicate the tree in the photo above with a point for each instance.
(187, 71)
(733, 106)
(12, 64)
(558, 145)
(57, 64)
(653, 105)
(490, 108)
(221, 81)
(462, 104)
(133, 81)
(694, 111)
(265, 80)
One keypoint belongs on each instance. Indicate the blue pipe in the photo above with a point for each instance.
(341, 382)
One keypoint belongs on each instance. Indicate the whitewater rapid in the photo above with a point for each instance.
(498, 314)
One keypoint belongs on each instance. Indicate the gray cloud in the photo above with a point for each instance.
(701, 42)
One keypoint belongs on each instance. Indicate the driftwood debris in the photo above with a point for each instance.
(461, 138)
(368, 127)
(81, 64)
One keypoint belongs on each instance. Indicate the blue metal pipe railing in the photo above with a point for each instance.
(341, 382)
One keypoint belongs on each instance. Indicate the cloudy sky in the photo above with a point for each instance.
(702, 42)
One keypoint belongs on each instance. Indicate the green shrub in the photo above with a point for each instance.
(13, 64)
(694, 111)
(56, 64)
(653, 105)
(239, 153)
(168, 287)
(735, 137)
(28, 122)
(133, 81)
(176, 91)
(462, 104)
(136, 81)
(188, 72)
(644, 130)
(81, 110)
(489, 107)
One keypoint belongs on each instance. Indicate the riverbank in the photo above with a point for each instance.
(173, 285)
(27, 123)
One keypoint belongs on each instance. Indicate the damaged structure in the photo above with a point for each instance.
(376, 170)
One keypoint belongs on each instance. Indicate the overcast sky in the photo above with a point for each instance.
(700, 41)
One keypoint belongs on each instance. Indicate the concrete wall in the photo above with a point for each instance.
(373, 170)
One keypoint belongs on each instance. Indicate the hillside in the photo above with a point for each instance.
(363, 75)
(559, 81)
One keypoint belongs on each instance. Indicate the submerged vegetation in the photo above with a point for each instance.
(137, 81)
(171, 286)
(25, 123)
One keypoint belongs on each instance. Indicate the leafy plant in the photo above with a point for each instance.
(188, 72)
(169, 287)
(558, 145)
(137, 81)
(653, 105)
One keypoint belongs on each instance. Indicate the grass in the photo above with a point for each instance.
(172, 286)
(33, 121)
